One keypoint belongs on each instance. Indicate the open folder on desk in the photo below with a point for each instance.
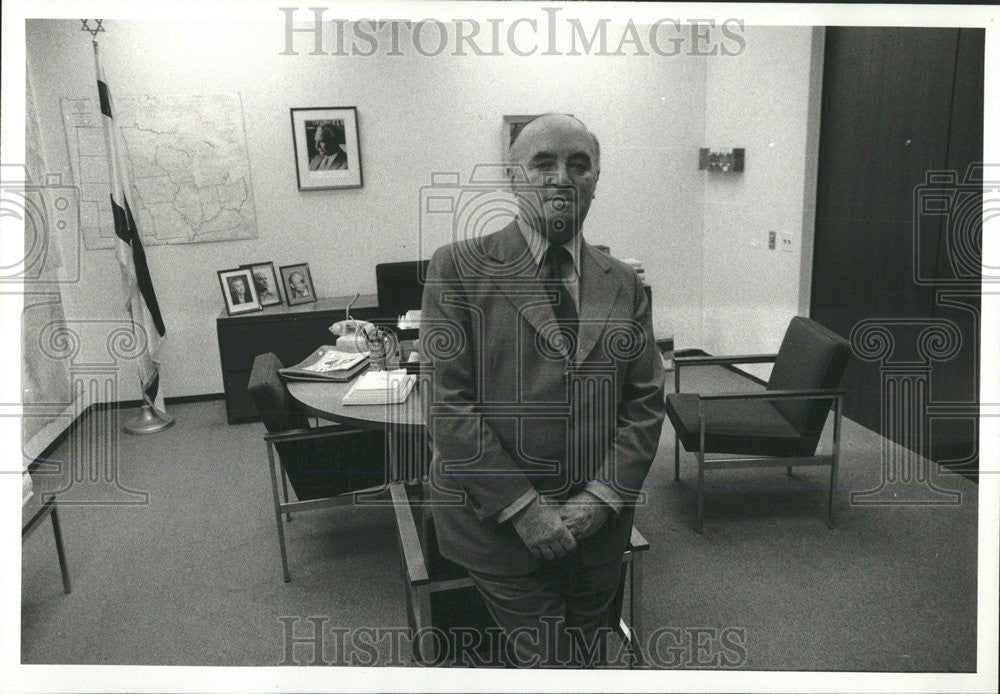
(381, 388)
(327, 364)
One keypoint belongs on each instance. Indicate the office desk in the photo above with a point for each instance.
(403, 423)
(291, 332)
(323, 400)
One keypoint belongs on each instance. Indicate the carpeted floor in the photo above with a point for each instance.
(193, 577)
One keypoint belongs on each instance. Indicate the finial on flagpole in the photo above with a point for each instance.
(93, 31)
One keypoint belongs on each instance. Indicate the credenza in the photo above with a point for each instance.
(291, 332)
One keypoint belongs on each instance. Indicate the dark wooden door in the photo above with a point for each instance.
(899, 103)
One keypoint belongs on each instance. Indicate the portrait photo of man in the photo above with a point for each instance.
(298, 284)
(327, 151)
(265, 281)
(238, 290)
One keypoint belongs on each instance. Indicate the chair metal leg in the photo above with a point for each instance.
(789, 470)
(701, 491)
(60, 550)
(635, 609)
(677, 458)
(835, 463)
(277, 512)
(284, 487)
(701, 468)
(422, 631)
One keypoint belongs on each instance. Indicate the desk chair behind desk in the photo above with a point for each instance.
(400, 286)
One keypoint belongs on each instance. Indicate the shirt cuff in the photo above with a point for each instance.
(606, 494)
(517, 505)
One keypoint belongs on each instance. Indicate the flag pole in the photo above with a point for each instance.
(140, 299)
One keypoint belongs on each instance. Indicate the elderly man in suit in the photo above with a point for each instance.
(546, 403)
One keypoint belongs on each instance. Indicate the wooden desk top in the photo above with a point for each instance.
(324, 400)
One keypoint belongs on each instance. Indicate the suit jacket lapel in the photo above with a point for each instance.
(518, 280)
(598, 293)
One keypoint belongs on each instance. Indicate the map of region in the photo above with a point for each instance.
(188, 165)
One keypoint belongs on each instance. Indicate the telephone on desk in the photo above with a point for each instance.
(351, 335)
(382, 345)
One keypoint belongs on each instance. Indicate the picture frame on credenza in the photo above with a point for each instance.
(265, 279)
(239, 291)
(298, 284)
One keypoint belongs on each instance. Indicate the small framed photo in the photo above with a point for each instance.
(298, 284)
(266, 282)
(512, 126)
(239, 291)
(327, 147)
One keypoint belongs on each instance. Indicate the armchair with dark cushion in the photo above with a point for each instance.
(780, 426)
(325, 465)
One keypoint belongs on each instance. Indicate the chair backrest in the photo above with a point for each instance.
(271, 397)
(400, 286)
(810, 356)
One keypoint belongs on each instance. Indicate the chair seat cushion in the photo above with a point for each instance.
(748, 427)
(326, 467)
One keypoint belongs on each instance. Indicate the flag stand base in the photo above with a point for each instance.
(148, 421)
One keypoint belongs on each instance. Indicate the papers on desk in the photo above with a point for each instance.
(381, 388)
(411, 321)
(327, 364)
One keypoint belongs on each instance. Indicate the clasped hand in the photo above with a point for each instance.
(550, 532)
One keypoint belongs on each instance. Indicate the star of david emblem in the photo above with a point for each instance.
(96, 30)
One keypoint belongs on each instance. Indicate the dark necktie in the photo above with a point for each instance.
(559, 263)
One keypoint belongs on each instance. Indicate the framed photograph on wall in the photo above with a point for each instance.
(512, 126)
(266, 282)
(238, 291)
(298, 284)
(327, 147)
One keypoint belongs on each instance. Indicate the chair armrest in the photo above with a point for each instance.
(813, 394)
(311, 433)
(409, 541)
(637, 543)
(734, 359)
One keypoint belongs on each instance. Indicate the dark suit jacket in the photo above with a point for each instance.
(511, 406)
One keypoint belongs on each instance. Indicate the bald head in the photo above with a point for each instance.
(556, 118)
(555, 166)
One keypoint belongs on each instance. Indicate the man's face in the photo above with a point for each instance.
(559, 159)
(263, 285)
(325, 141)
(298, 282)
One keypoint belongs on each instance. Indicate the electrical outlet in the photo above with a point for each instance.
(770, 240)
(786, 242)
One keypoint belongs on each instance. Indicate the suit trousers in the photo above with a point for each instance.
(555, 616)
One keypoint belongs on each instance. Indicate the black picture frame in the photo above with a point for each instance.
(294, 289)
(318, 129)
(231, 294)
(264, 274)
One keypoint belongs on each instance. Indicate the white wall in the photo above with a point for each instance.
(422, 114)
(759, 101)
